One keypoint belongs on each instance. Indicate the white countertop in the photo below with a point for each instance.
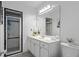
(47, 39)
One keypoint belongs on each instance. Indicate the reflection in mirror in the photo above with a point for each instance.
(48, 26)
(52, 20)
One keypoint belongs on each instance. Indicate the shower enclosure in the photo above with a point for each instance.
(12, 31)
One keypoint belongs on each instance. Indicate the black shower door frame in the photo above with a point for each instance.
(8, 11)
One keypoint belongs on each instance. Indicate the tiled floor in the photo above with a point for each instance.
(12, 49)
(25, 54)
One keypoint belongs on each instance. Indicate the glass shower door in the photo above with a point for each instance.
(13, 34)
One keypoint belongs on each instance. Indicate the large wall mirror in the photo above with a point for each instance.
(51, 19)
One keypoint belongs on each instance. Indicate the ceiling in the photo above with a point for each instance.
(33, 4)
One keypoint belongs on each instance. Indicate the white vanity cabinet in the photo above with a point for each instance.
(43, 52)
(36, 50)
(42, 49)
(28, 43)
(34, 47)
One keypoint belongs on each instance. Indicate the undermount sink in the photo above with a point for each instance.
(44, 37)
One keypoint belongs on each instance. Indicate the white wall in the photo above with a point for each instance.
(1, 38)
(41, 25)
(29, 23)
(70, 21)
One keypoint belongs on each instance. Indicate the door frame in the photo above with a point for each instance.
(5, 30)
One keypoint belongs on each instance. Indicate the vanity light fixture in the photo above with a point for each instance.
(46, 9)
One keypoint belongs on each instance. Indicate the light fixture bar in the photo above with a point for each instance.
(46, 9)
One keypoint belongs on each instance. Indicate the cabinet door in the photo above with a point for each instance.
(36, 48)
(32, 46)
(28, 43)
(43, 52)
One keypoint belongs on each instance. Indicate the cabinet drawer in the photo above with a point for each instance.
(44, 45)
(44, 52)
(35, 41)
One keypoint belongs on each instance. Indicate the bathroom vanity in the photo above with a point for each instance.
(41, 46)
